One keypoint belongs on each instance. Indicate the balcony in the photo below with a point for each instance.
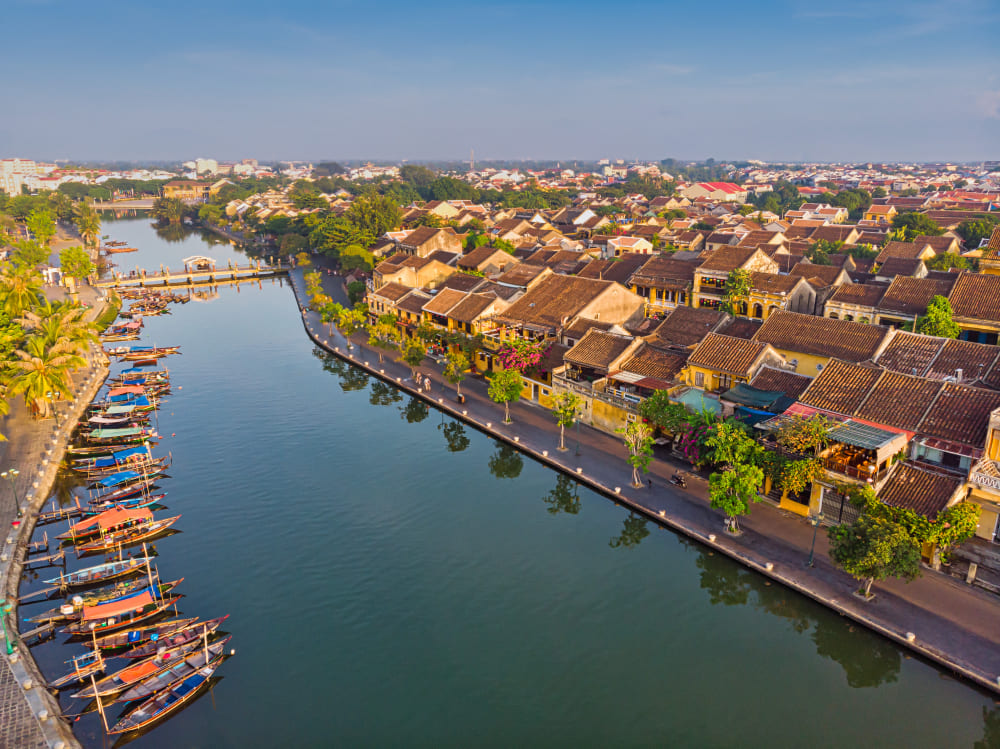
(597, 390)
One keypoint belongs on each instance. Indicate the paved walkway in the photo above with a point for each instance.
(937, 616)
(35, 448)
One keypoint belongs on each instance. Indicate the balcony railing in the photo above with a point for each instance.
(595, 390)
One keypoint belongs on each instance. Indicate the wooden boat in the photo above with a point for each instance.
(115, 615)
(119, 250)
(71, 609)
(122, 351)
(139, 671)
(194, 631)
(128, 536)
(118, 337)
(142, 403)
(167, 702)
(178, 671)
(83, 666)
(135, 637)
(100, 573)
(132, 503)
(150, 468)
(135, 373)
(124, 436)
(143, 356)
(122, 485)
(106, 522)
(117, 422)
(131, 458)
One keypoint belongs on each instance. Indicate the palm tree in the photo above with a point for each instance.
(88, 223)
(21, 287)
(40, 372)
(55, 323)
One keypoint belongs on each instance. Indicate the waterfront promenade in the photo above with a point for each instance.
(28, 713)
(936, 616)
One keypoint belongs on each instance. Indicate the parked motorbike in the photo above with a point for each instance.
(678, 480)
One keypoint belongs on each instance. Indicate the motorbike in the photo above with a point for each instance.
(678, 480)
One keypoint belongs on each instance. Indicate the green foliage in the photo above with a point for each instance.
(354, 257)
(916, 224)
(734, 301)
(949, 260)
(327, 169)
(42, 225)
(456, 362)
(506, 462)
(728, 444)
(658, 410)
(732, 491)
(29, 253)
(356, 291)
(76, 262)
(873, 549)
(784, 197)
(449, 188)
(373, 214)
(88, 223)
(419, 177)
(805, 434)
(975, 231)
(855, 200)
(168, 210)
(566, 407)
(505, 387)
(413, 354)
(638, 437)
(954, 525)
(938, 320)
(796, 475)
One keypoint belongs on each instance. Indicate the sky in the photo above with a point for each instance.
(778, 80)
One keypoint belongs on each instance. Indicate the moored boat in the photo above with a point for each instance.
(136, 637)
(91, 662)
(70, 610)
(161, 705)
(178, 671)
(100, 573)
(115, 615)
(128, 537)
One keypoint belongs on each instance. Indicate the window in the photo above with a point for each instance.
(699, 379)
(723, 382)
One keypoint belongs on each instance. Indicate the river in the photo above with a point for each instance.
(396, 579)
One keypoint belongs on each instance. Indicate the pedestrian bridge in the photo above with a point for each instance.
(193, 276)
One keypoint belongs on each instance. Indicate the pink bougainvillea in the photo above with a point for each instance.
(520, 354)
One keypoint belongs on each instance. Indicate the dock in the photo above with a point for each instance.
(194, 277)
(63, 513)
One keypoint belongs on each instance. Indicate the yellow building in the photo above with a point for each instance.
(719, 362)
(808, 342)
(712, 276)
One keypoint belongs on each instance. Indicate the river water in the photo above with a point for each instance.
(395, 579)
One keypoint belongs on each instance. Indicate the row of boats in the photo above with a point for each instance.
(140, 652)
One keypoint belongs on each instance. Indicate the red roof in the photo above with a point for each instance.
(726, 187)
(114, 608)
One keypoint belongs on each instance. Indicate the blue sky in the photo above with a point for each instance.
(290, 79)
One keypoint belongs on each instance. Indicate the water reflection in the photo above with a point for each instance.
(991, 730)
(564, 498)
(454, 435)
(351, 378)
(382, 394)
(633, 531)
(867, 659)
(414, 411)
(506, 462)
(172, 233)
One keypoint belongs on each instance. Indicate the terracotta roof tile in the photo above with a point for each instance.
(961, 414)
(444, 301)
(976, 297)
(910, 353)
(685, 326)
(828, 273)
(908, 250)
(861, 294)
(462, 282)
(974, 359)
(521, 274)
(780, 380)
(598, 349)
(620, 269)
(910, 296)
(741, 327)
(726, 259)
(658, 363)
(920, 488)
(393, 291)
(821, 336)
(413, 302)
(663, 271)
(841, 387)
(899, 400)
(900, 266)
(471, 307)
(553, 300)
(724, 353)
(773, 283)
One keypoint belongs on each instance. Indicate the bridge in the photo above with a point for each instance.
(137, 204)
(193, 276)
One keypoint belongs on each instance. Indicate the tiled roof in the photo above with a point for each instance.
(773, 283)
(480, 255)
(726, 259)
(413, 302)
(521, 274)
(723, 353)
(899, 400)
(580, 326)
(665, 272)
(462, 282)
(650, 361)
(900, 266)
(961, 413)
(443, 301)
(553, 300)
(471, 307)
(908, 250)
(828, 273)
(976, 297)
(841, 387)
(821, 336)
(861, 294)
(919, 488)
(685, 326)
(741, 327)
(911, 296)
(780, 380)
(910, 353)
(393, 291)
(620, 269)
(974, 359)
(598, 349)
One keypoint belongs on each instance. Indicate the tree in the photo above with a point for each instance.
(354, 256)
(29, 253)
(521, 354)
(76, 263)
(41, 371)
(356, 291)
(955, 525)
(947, 261)
(374, 214)
(874, 548)
(454, 369)
(733, 490)
(938, 320)
(728, 445)
(350, 321)
(638, 437)
(659, 411)
(975, 231)
(42, 225)
(564, 498)
(88, 223)
(413, 355)
(505, 387)
(734, 301)
(566, 408)
(916, 224)
(506, 462)
(168, 210)
(633, 531)
(805, 434)
(20, 289)
(384, 335)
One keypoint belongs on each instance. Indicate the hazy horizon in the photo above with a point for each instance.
(780, 81)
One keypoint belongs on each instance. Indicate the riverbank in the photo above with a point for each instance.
(35, 449)
(937, 617)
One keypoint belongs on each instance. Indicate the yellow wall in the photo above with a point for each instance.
(607, 417)
(711, 378)
(807, 363)
(990, 511)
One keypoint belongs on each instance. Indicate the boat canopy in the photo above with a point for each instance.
(118, 478)
(121, 455)
(102, 434)
(126, 389)
(109, 519)
(119, 410)
(115, 608)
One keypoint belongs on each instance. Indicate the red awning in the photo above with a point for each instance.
(126, 390)
(116, 608)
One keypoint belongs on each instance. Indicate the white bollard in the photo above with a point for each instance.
(769, 566)
(711, 537)
(910, 637)
(579, 470)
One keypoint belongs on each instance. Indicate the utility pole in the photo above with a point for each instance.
(472, 159)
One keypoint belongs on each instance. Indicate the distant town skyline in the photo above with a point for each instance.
(776, 81)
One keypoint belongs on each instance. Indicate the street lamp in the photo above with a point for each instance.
(815, 520)
(11, 475)
(6, 608)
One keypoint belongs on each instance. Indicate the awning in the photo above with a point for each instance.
(110, 518)
(118, 478)
(103, 434)
(748, 395)
(952, 447)
(127, 389)
(116, 608)
(652, 383)
(695, 400)
(882, 442)
(120, 410)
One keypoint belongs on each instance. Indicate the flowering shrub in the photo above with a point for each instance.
(692, 441)
(520, 354)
